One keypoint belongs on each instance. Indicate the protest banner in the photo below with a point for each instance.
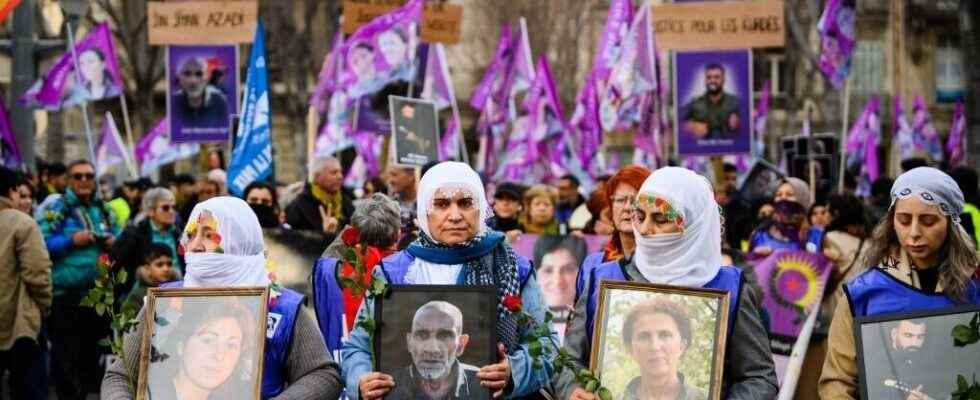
(358, 13)
(415, 126)
(202, 92)
(251, 157)
(719, 25)
(441, 23)
(713, 102)
(201, 22)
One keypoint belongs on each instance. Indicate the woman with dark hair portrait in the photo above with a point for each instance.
(657, 335)
(209, 355)
(96, 79)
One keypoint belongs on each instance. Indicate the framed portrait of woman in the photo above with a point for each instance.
(660, 340)
(203, 343)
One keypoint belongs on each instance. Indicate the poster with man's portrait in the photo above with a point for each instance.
(917, 355)
(761, 182)
(647, 334)
(202, 92)
(432, 340)
(713, 100)
(415, 125)
(203, 341)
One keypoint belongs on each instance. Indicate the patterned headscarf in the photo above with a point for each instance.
(932, 186)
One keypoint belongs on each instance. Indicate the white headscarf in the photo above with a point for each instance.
(691, 258)
(241, 260)
(451, 175)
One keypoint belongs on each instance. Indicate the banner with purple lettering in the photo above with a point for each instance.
(836, 27)
(98, 76)
(111, 150)
(155, 149)
(955, 146)
(862, 146)
(924, 135)
(9, 150)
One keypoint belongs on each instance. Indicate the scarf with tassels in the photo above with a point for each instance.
(490, 261)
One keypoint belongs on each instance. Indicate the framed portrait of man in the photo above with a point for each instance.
(652, 338)
(202, 92)
(432, 340)
(203, 340)
(713, 100)
(918, 355)
(415, 126)
(760, 182)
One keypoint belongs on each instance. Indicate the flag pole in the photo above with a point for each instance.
(84, 104)
(129, 134)
(843, 134)
(311, 123)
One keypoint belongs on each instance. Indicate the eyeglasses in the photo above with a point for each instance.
(197, 74)
(167, 207)
(79, 176)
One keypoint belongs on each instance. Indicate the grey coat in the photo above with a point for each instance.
(749, 372)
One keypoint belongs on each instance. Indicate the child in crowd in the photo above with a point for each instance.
(156, 269)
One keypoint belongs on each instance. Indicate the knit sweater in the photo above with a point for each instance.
(310, 372)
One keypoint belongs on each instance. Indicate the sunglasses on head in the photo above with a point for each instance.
(197, 74)
(83, 176)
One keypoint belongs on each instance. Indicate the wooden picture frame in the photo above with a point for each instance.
(706, 312)
(166, 338)
(918, 342)
(394, 352)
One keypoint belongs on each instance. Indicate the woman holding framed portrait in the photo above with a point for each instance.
(920, 258)
(455, 247)
(225, 250)
(677, 226)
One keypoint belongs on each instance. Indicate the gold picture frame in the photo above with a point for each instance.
(621, 304)
(200, 323)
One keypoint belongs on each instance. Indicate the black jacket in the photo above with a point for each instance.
(132, 246)
(304, 212)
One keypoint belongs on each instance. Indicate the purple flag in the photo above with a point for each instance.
(954, 144)
(155, 149)
(862, 146)
(536, 147)
(111, 150)
(99, 77)
(494, 77)
(632, 73)
(366, 165)
(924, 136)
(438, 87)
(380, 52)
(759, 120)
(792, 284)
(328, 77)
(9, 151)
(836, 27)
(903, 131)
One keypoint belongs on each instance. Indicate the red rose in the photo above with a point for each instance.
(350, 236)
(104, 259)
(512, 303)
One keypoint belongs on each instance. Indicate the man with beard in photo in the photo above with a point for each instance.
(714, 114)
(435, 342)
(198, 103)
(903, 380)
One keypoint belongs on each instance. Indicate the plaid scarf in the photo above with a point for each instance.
(491, 262)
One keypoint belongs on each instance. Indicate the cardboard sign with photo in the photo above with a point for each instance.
(432, 339)
(202, 92)
(761, 182)
(415, 125)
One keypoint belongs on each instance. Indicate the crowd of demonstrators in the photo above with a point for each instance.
(425, 228)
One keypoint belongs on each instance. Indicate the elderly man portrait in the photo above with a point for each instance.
(714, 114)
(435, 342)
(325, 205)
(197, 103)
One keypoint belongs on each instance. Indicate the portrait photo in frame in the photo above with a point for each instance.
(917, 352)
(441, 333)
(688, 326)
(415, 129)
(212, 338)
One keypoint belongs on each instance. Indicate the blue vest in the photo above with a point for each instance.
(328, 303)
(876, 292)
(590, 263)
(281, 319)
(396, 266)
(728, 279)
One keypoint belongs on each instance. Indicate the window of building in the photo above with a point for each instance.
(950, 73)
(867, 67)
